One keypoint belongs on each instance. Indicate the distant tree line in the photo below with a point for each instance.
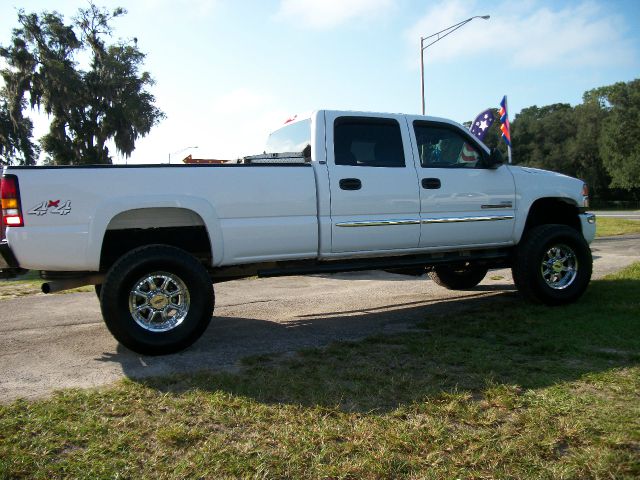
(597, 141)
(93, 104)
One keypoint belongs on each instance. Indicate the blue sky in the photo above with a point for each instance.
(228, 72)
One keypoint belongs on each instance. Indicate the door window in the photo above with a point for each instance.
(440, 147)
(368, 142)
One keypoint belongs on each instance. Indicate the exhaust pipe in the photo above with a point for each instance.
(67, 284)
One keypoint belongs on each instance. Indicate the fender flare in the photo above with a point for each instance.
(110, 208)
(521, 220)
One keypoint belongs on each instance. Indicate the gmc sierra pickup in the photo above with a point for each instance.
(359, 191)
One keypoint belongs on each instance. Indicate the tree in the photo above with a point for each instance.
(539, 137)
(584, 149)
(88, 108)
(619, 142)
(16, 146)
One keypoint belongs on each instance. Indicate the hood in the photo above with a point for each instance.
(537, 183)
(538, 171)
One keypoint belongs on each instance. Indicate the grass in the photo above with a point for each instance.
(29, 284)
(609, 226)
(503, 391)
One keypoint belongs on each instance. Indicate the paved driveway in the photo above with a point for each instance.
(49, 342)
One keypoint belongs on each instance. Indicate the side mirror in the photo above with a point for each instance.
(495, 159)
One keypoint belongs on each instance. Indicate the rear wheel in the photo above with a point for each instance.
(553, 265)
(460, 277)
(157, 300)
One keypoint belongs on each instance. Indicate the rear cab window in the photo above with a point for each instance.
(293, 137)
(368, 142)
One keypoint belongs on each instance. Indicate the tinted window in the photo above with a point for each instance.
(440, 147)
(368, 142)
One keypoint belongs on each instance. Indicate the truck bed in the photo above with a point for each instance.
(239, 203)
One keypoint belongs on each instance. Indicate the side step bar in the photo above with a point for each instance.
(493, 257)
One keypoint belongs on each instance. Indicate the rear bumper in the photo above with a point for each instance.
(8, 264)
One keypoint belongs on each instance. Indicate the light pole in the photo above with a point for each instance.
(178, 151)
(439, 36)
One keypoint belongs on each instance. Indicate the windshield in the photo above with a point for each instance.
(290, 138)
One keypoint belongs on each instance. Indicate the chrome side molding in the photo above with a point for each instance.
(426, 221)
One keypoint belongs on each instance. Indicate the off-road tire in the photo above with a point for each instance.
(123, 320)
(458, 278)
(535, 271)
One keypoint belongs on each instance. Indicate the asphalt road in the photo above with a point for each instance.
(624, 214)
(48, 342)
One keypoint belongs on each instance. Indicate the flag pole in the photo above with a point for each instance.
(506, 107)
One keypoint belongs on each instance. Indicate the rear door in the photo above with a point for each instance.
(373, 182)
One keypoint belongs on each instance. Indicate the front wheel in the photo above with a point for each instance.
(553, 265)
(462, 277)
(157, 299)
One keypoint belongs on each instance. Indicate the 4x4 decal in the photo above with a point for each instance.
(56, 207)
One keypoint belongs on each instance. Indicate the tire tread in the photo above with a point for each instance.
(446, 277)
(111, 291)
(526, 263)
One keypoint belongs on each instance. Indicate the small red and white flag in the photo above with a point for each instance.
(467, 154)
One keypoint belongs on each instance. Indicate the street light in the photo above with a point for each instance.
(179, 151)
(439, 36)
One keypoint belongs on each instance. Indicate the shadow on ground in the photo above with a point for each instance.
(229, 339)
(420, 351)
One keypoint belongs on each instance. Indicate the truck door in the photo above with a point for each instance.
(461, 201)
(373, 183)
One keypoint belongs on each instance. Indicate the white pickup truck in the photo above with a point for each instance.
(396, 192)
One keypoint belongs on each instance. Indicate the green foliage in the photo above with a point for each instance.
(619, 143)
(16, 146)
(539, 136)
(88, 108)
(585, 150)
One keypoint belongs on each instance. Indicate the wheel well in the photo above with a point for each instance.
(177, 227)
(553, 210)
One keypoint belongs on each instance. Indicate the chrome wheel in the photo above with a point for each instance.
(159, 302)
(559, 266)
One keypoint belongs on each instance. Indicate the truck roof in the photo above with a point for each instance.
(362, 113)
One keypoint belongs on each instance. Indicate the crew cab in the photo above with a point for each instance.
(334, 191)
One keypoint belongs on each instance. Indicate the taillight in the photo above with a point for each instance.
(10, 199)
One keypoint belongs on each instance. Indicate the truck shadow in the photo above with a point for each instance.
(228, 339)
(416, 351)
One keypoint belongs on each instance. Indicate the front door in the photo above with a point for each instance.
(374, 185)
(462, 203)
